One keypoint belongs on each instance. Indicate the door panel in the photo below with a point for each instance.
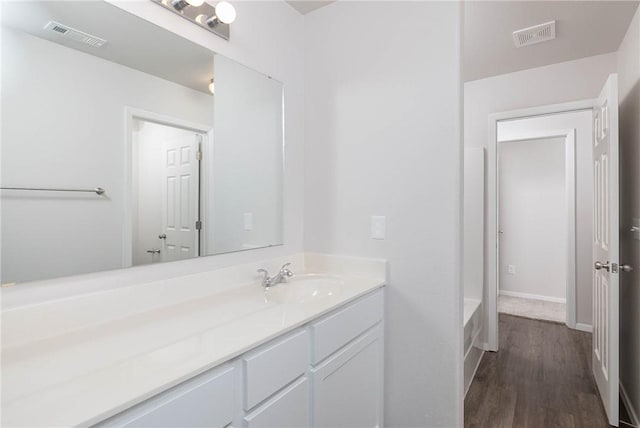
(180, 208)
(605, 248)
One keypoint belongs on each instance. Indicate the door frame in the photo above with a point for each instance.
(492, 245)
(131, 114)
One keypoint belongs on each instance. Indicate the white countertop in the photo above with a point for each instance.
(86, 374)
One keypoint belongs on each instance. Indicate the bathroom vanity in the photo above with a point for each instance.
(215, 352)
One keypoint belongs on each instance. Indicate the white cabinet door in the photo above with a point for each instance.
(205, 401)
(287, 409)
(347, 387)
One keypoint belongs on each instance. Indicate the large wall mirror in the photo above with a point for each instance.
(186, 144)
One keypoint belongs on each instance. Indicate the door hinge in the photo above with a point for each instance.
(199, 155)
(198, 225)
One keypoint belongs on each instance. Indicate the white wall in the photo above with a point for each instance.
(581, 122)
(63, 126)
(473, 212)
(267, 36)
(533, 217)
(247, 158)
(382, 131)
(629, 92)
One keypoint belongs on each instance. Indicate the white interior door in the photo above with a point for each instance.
(605, 248)
(180, 205)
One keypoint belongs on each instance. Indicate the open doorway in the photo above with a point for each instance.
(594, 125)
(570, 127)
(593, 357)
(536, 257)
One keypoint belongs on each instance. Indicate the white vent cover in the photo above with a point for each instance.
(77, 35)
(536, 34)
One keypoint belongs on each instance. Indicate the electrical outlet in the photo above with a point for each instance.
(511, 269)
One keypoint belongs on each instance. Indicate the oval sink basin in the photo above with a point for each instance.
(305, 288)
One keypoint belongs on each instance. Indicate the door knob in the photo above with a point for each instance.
(626, 268)
(600, 265)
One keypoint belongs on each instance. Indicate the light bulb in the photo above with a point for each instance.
(211, 87)
(195, 3)
(225, 12)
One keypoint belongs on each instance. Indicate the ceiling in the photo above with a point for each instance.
(131, 41)
(583, 28)
(306, 6)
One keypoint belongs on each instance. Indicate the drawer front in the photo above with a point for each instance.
(271, 367)
(205, 401)
(341, 327)
(289, 409)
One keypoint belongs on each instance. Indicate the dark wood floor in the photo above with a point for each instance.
(541, 377)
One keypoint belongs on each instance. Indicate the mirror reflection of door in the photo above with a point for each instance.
(166, 202)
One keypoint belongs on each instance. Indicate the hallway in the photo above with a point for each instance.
(541, 377)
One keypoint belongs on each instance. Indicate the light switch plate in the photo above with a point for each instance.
(248, 221)
(378, 226)
(511, 269)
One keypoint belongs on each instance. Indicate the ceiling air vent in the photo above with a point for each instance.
(74, 34)
(536, 34)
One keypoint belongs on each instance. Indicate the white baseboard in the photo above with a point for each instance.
(627, 403)
(532, 296)
(584, 327)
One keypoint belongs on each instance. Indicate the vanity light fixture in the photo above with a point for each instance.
(204, 14)
(225, 13)
(181, 4)
(211, 87)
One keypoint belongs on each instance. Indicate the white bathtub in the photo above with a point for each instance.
(472, 348)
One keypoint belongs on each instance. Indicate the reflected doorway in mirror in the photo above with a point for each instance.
(167, 212)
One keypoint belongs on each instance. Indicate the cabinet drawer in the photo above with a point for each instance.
(341, 327)
(205, 401)
(271, 367)
(289, 409)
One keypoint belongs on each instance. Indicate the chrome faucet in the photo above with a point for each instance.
(268, 281)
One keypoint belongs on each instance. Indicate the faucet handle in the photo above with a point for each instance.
(284, 266)
(286, 273)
